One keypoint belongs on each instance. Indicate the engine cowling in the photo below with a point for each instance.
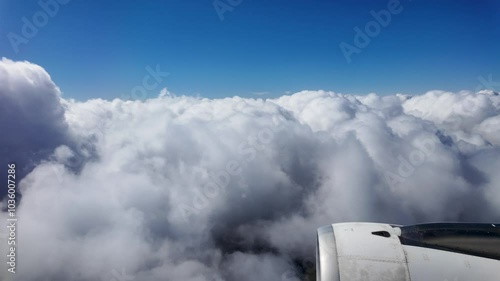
(441, 251)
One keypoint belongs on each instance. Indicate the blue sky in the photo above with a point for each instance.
(102, 48)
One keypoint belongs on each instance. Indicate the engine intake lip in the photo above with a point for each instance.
(327, 266)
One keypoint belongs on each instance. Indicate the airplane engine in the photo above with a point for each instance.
(426, 252)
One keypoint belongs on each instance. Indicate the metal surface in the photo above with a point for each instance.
(362, 255)
(476, 239)
(442, 252)
(430, 264)
(327, 268)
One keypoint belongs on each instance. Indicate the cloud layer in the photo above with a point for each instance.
(183, 188)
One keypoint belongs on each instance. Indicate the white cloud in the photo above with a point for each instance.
(31, 116)
(183, 188)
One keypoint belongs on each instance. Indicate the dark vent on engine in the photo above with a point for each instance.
(382, 233)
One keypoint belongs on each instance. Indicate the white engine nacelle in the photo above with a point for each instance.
(427, 252)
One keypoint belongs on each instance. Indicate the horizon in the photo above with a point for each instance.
(483, 84)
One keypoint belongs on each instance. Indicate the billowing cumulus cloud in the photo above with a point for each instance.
(31, 116)
(184, 188)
